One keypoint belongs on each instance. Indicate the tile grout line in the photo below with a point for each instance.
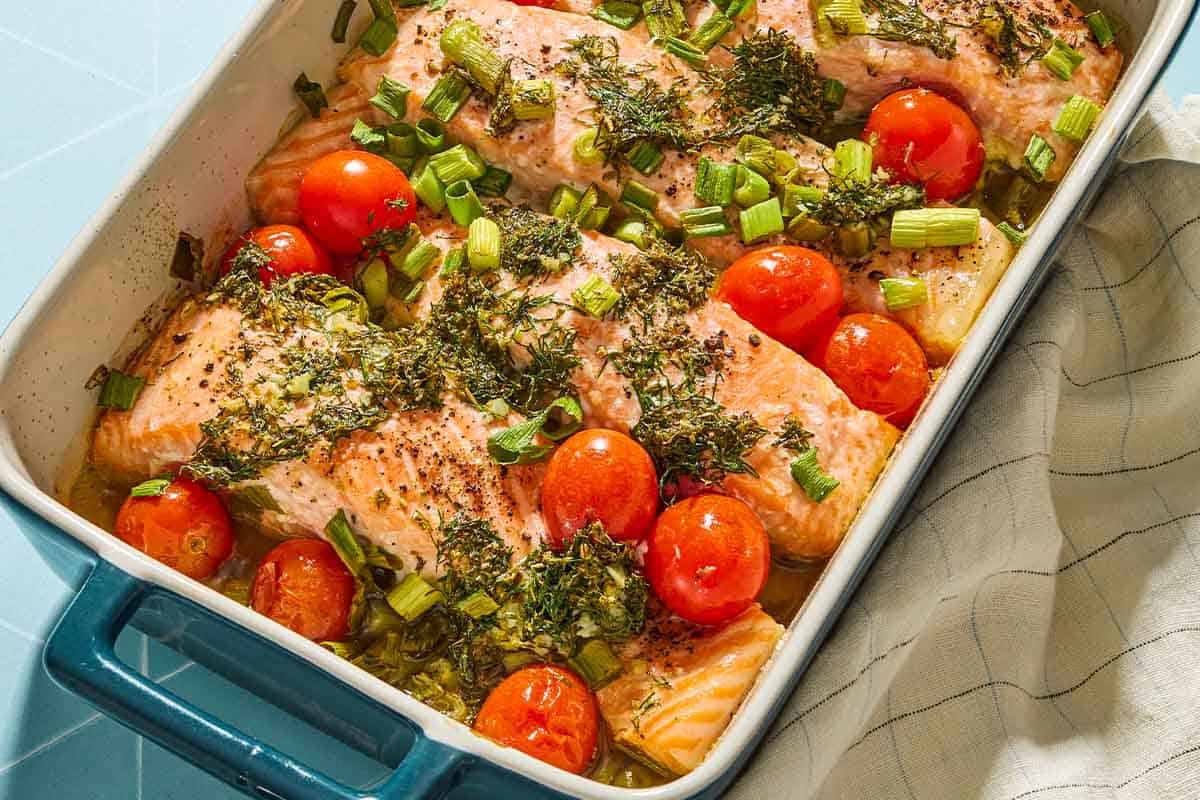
(74, 62)
(15, 631)
(46, 745)
(134, 110)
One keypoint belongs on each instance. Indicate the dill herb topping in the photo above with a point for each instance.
(533, 244)
(900, 21)
(1016, 40)
(793, 435)
(849, 202)
(661, 279)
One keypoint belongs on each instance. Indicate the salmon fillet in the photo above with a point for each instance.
(684, 685)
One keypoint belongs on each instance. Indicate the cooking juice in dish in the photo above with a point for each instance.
(563, 469)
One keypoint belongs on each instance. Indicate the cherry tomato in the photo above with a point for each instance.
(348, 195)
(185, 527)
(787, 292)
(921, 137)
(304, 585)
(291, 250)
(547, 712)
(878, 364)
(599, 476)
(708, 558)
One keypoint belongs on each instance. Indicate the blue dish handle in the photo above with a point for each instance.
(80, 655)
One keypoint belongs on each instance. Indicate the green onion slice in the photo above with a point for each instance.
(151, 488)
(457, 164)
(379, 36)
(374, 282)
(493, 183)
(590, 212)
(618, 13)
(391, 97)
(517, 445)
(477, 605)
(935, 227)
(584, 150)
(804, 228)
(752, 188)
(852, 161)
(311, 94)
(418, 259)
(595, 296)
(833, 93)
(338, 531)
(483, 245)
(402, 140)
(715, 182)
(1101, 27)
(120, 391)
(1039, 155)
(845, 17)
(646, 157)
(596, 663)
(902, 293)
(414, 292)
(346, 301)
(713, 29)
(462, 42)
(815, 481)
(564, 202)
(797, 198)
(1076, 118)
(756, 153)
(428, 187)
(1012, 234)
(1062, 59)
(383, 9)
(702, 222)
(432, 135)
(373, 140)
(664, 18)
(341, 23)
(413, 596)
(640, 195)
(853, 241)
(453, 262)
(635, 232)
(533, 99)
(761, 220)
(447, 95)
(686, 52)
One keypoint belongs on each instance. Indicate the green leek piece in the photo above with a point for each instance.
(154, 487)
(477, 605)
(418, 259)
(493, 183)
(518, 445)
(902, 293)
(664, 18)
(341, 23)
(756, 153)
(402, 140)
(428, 188)
(595, 296)
(585, 151)
(635, 232)
(413, 596)
(1062, 59)
(459, 163)
(462, 42)
(596, 663)
(378, 38)
(699, 223)
(715, 182)
(373, 140)
(1076, 118)
(833, 93)
(1039, 155)
(714, 29)
(339, 534)
(483, 245)
(686, 52)
(934, 227)
(1012, 234)
(845, 17)
(447, 96)
(533, 99)
(752, 188)
(432, 135)
(645, 157)
(852, 161)
(804, 228)
(761, 220)
(815, 481)
(639, 195)
(374, 282)
(1102, 29)
(564, 202)
(465, 206)
(853, 241)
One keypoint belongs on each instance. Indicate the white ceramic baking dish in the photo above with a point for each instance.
(82, 314)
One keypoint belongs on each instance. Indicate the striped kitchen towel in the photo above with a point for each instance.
(1032, 628)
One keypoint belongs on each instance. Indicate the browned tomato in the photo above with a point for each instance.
(304, 585)
(185, 527)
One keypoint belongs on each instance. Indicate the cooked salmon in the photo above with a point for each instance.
(683, 685)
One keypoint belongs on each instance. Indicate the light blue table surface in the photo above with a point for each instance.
(86, 85)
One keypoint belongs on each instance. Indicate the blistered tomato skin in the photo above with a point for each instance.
(708, 558)
(348, 195)
(878, 364)
(786, 291)
(545, 711)
(601, 476)
(292, 251)
(303, 585)
(919, 136)
(186, 527)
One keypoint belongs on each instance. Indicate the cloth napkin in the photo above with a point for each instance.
(1032, 628)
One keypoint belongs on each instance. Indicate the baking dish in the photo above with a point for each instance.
(191, 180)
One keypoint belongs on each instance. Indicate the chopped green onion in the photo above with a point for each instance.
(462, 42)
(595, 296)
(1102, 29)
(413, 596)
(633, 231)
(738, 8)
(413, 292)
(596, 663)
(564, 202)
(456, 164)
(453, 262)
(483, 245)
(477, 605)
(664, 18)
(715, 182)
(311, 94)
(391, 97)
(428, 187)
(845, 17)
(1062, 59)
(418, 259)
(645, 157)
(705, 37)
(343, 650)
(762, 220)
(934, 227)
(639, 195)
(852, 161)
(584, 150)
(373, 140)
(341, 23)
(338, 531)
(403, 163)
(1076, 118)
(686, 52)
(374, 283)
(804, 228)
(151, 488)
(516, 445)
(1039, 155)
(815, 481)
(516, 660)
(752, 188)
(699, 223)
(447, 96)
(590, 213)
(402, 140)
(298, 386)
(833, 93)
(344, 300)
(756, 153)
(902, 293)
(377, 38)
(383, 9)
(431, 135)
(1012, 234)
(853, 241)
(465, 206)
(493, 183)
(797, 198)
(533, 99)
(120, 391)
(618, 13)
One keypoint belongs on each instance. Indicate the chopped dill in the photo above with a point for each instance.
(532, 243)
(772, 86)
(848, 202)
(900, 21)
(793, 435)
(471, 556)
(1016, 40)
(661, 279)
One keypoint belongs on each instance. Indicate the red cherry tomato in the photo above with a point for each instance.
(544, 711)
(290, 248)
(921, 137)
(304, 585)
(878, 364)
(787, 292)
(599, 476)
(185, 527)
(708, 558)
(348, 195)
